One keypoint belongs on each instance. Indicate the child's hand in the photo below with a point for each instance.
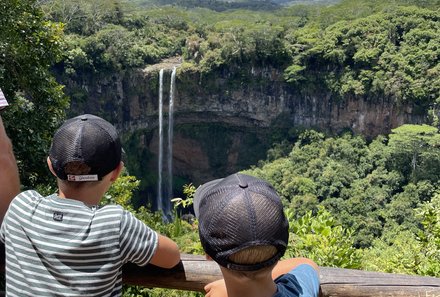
(216, 289)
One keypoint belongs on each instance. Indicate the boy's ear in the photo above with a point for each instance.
(208, 257)
(49, 164)
(117, 171)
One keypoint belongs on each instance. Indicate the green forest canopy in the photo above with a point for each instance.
(372, 49)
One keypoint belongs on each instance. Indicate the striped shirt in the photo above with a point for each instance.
(61, 247)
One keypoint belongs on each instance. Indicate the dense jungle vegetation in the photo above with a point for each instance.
(351, 203)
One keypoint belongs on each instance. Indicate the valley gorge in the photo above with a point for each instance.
(224, 121)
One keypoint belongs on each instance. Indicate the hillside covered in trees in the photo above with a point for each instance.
(353, 203)
(371, 48)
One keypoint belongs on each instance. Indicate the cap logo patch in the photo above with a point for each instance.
(81, 178)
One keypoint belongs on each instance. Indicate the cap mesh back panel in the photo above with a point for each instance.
(239, 218)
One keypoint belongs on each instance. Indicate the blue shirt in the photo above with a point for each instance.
(302, 281)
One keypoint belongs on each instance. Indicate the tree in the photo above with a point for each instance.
(407, 251)
(29, 46)
(83, 16)
(322, 239)
(429, 213)
(392, 54)
(415, 152)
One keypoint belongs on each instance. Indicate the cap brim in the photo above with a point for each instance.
(200, 193)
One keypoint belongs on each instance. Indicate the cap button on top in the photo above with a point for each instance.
(241, 183)
(84, 118)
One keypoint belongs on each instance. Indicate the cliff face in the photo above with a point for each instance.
(225, 121)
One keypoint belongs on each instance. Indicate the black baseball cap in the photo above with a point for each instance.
(89, 140)
(238, 212)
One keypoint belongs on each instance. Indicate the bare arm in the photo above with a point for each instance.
(284, 266)
(9, 178)
(216, 289)
(167, 254)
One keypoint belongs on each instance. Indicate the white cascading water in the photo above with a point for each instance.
(164, 205)
(167, 204)
(160, 161)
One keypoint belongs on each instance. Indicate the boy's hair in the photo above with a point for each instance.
(85, 148)
(253, 255)
(237, 213)
(76, 168)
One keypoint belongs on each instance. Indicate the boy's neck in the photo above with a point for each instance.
(89, 195)
(245, 287)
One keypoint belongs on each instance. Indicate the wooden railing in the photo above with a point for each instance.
(194, 272)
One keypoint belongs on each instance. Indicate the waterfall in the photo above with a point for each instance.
(164, 196)
(160, 160)
(167, 206)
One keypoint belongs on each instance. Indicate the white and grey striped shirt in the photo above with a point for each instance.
(61, 247)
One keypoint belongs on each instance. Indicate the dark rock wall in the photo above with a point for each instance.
(223, 121)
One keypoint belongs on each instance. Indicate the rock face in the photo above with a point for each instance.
(224, 121)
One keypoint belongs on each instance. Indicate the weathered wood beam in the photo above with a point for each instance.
(195, 271)
(359, 283)
(192, 274)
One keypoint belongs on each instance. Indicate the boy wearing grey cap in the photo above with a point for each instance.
(65, 244)
(243, 228)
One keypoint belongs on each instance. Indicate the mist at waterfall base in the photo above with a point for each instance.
(165, 194)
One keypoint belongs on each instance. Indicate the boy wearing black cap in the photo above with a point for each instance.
(243, 228)
(64, 244)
